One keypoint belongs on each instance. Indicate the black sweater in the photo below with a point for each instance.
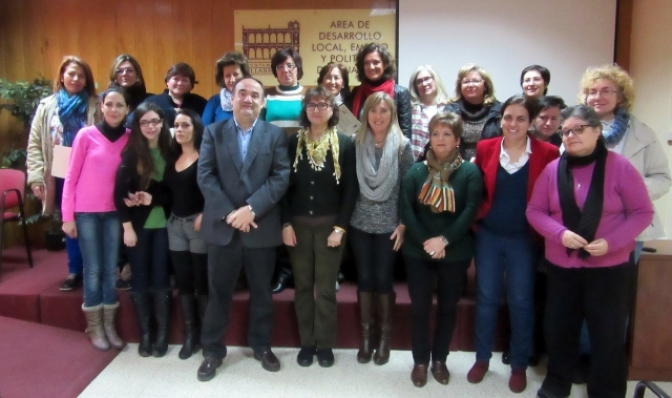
(187, 197)
(191, 101)
(314, 193)
(128, 180)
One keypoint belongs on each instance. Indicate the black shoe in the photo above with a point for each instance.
(122, 285)
(533, 360)
(305, 357)
(268, 360)
(340, 278)
(72, 282)
(280, 285)
(162, 301)
(325, 357)
(546, 394)
(208, 368)
(506, 357)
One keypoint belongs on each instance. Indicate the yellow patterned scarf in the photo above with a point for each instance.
(437, 192)
(317, 150)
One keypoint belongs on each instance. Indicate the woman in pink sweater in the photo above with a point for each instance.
(90, 215)
(589, 208)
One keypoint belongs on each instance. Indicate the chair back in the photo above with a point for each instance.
(11, 179)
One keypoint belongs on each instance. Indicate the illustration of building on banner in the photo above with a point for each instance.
(259, 45)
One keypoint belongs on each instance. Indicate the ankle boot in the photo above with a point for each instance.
(94, 321)
(162, 317)
(385, 303)
(191, 340)
(109, 313)
(141, 305)
(367, 318)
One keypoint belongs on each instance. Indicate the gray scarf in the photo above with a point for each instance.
(376, 184)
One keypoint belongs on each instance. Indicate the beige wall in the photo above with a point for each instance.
(651, 68)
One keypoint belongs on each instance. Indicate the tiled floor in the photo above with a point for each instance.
(129, 375)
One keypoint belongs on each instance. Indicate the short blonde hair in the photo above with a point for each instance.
(616, 75)
(371, 102)
(441, 93)
(488, 95)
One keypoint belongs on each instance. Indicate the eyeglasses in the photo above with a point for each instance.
(153, 122)
(474, 82)
(127, 71)
(424, 80)
(320, 105)
(577, 130)
(605, 92)
(285, 67)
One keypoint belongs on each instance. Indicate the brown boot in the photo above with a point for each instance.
(109, 312)
(385, 303)
(94, 321)
(367, 318)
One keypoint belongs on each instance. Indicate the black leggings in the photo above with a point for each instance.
(375, 260)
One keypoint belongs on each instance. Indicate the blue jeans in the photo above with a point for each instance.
(75, 262)
(500, 261)
(149, 261)
(99, 236)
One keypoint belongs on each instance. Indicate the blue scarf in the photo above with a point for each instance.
(618, 128)
(72, 112)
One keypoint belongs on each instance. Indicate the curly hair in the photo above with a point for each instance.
(385, 56)
(229, 59)
(616, 75)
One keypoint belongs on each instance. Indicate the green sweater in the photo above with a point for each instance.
(157, 217)
(422, 224)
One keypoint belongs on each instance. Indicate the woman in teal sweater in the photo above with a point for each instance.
(439, 200)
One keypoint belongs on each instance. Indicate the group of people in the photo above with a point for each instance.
(520, 187)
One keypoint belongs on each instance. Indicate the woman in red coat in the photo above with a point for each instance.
(506, 253)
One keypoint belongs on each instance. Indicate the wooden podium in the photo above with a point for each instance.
(651, 342)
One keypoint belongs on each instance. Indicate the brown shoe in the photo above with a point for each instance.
(477, 372)
(419, 374)
(268, 360)
(518, 380)
(208, 368)
(367, 320)
(384, 309)
(440, 372)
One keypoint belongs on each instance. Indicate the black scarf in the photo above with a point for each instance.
(583, 223)
(473, 112)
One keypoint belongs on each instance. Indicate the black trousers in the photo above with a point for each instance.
(450, 282)
(375, 258)
(600, 296)
(224, 266)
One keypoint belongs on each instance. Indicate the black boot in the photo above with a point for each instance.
(141, 305)
(162, 316)
(385, 308)
(367, 321)
(191, 340)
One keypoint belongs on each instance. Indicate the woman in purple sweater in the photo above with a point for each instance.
(588, 207)
(89, 214)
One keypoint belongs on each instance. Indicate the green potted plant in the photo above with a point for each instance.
(21, 99)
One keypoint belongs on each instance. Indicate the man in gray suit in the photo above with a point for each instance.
(243, 172)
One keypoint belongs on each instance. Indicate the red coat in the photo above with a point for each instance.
(487, 160)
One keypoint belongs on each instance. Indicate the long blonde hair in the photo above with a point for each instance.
(370, 103)
(488, 95)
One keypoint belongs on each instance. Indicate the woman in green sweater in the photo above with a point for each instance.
(439, 200)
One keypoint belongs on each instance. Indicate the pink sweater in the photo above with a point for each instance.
(89, 181)
(626, 212)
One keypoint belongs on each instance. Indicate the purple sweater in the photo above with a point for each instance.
(92, 169)
(626, 212)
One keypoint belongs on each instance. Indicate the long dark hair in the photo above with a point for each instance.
(139, 146)
(198, 128)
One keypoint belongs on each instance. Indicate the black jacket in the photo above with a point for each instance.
(191, 101)
(402, 100)
(128, 180)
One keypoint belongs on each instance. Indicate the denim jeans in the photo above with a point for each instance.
(500, 261)
(149, 261)
(99, 236)
(75, 261)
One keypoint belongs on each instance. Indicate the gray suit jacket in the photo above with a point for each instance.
(229, 182)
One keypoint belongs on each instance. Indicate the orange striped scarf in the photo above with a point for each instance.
(437, 191)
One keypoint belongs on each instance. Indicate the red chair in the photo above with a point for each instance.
(12, 188)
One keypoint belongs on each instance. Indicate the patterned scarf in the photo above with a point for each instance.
(72, 113)
(437, 191)
(225, 98)
(316, 151)
(618, 128)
